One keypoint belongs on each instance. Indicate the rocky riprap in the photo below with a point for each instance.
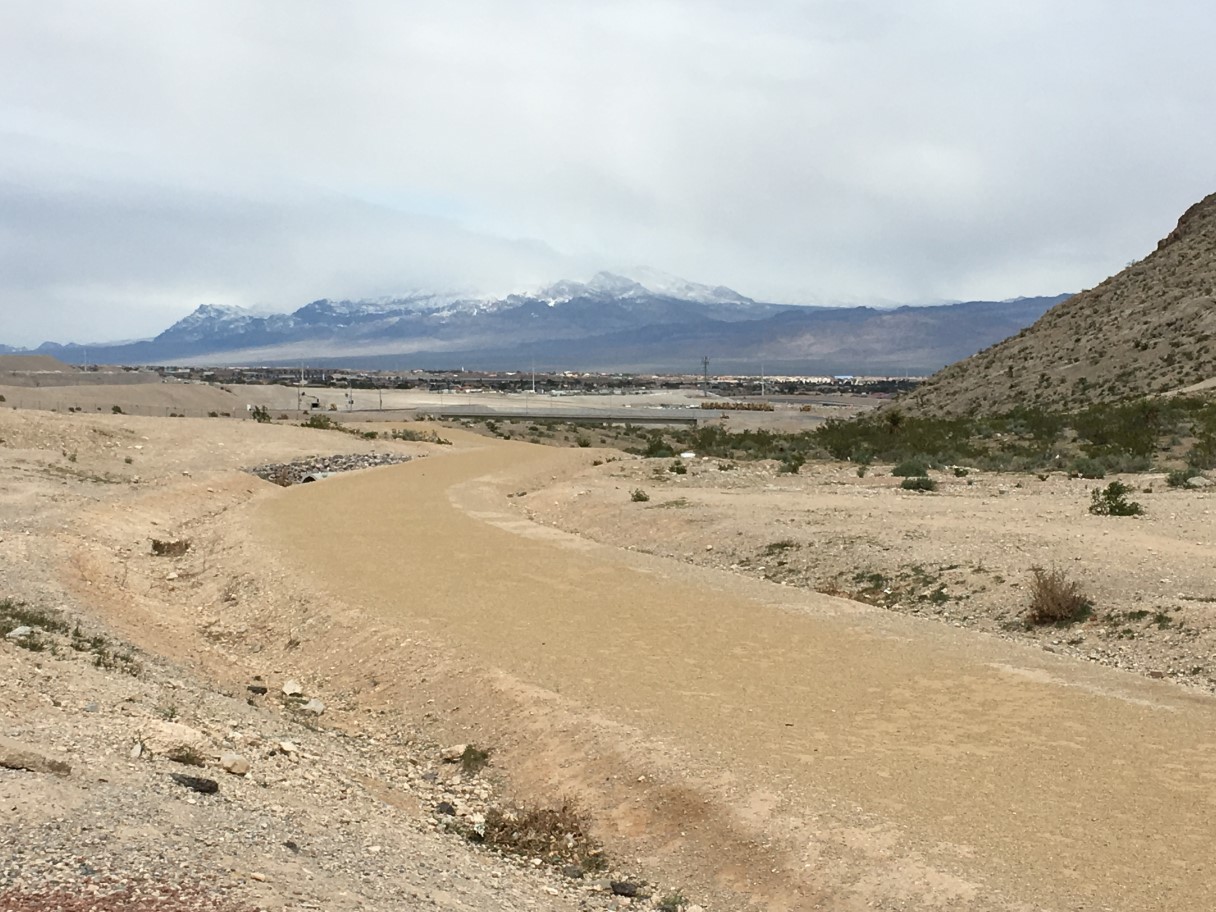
(289, 473)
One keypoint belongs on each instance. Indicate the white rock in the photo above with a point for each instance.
(19, 633)
(292, 688)
(234, 763)
(454, 753)
(314, 706)
(175, 741)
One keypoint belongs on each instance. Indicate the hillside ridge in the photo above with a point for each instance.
(1148, 330)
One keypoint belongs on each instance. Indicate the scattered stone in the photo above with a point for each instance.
(292, 845)
(196, 783)
(623, 888)
(258, 689)
(17, 756)
(19, 633)
(454, 753)
(232, 762)
(1199, 481)
(288, 747)
(175, 741)
(314, 706)
(292, 688)
(289, 473)
(574, 872)
(258, 876)
(446, 808)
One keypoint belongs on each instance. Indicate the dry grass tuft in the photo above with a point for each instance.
(1056, 599)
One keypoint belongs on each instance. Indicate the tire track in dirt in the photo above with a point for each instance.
(930, 756)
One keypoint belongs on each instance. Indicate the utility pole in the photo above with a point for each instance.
(705, 372)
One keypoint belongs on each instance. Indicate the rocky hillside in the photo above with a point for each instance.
(1149, 330)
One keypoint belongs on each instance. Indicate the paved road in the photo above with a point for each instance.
(1049, 783)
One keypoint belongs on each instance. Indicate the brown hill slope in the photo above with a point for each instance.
(1150, 329)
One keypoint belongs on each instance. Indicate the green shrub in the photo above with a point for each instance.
(791, 464)
(918, 483)
(260, 414)
(1085, 467)
(1179, 477)
(639, 496)
(678, 468)
(910, 468)
(1112, 501)
(116, 409)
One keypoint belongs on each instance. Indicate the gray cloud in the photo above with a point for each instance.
(158, 156)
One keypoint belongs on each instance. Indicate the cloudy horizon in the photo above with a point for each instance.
(156, 157)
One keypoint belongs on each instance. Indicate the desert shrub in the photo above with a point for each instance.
(1112, 501)
(418, 436)
(1055, 599)
(116, 409)
(862, 470)
(961, 472)
(791, 464)
(918, 483)
(910, 468)
(678, 468)
(260, 414)
(556, 835)
(213, 414)
(1179, 477)
(474, 760)
(672, 902)
(639, 496)
(1085, 467)
(320, 422)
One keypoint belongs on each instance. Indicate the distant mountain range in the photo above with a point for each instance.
(645, 322)
(1148, 330)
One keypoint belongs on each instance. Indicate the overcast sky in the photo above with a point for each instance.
(157, 155)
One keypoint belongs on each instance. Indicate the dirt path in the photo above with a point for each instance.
(879, 760)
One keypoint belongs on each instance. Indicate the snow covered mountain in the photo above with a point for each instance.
(645, 320)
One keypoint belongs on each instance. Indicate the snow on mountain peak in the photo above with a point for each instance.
(639, 282)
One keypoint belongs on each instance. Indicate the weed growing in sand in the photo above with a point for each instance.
(639, 496)
(1056, 599)
(474, 760)
(918, 483)
(1112, 501)
(418, 436)
(672, 902)
(558, 836)
(50, 631)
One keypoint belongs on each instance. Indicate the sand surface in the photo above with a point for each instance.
(667, 666)
(871, 756)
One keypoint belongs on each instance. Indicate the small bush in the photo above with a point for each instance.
(558, 836)
(116, 409)
(791, 464)
(583, 441)
(1087, 468)
(260, 414)
(1112, 501)
(910, 468)
(918, 483)
(1056, 599)
(474, 760)
(678, 468)
(639, 496)
(861, 470)
(1179, 477)
(672, 902)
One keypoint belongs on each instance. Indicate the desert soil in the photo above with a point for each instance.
(667, 666)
